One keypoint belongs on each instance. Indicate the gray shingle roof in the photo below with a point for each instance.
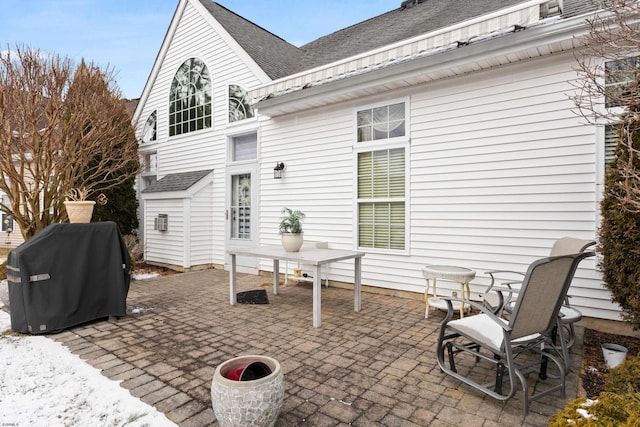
(280, 59)
(177, 181)
(396, 25)
(275, 56)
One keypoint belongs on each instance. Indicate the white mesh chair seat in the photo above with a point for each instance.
(487, 329)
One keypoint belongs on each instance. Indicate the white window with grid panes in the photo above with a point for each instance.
(190, 98)
(381, 158)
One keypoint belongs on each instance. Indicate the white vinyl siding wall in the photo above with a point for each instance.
(317, 148)
(201, 227)
(166, 247)
(501, 168)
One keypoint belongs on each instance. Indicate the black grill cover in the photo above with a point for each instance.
(66, 275)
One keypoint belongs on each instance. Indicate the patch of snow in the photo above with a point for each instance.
(143, 276)
(140, 310)
(43, 384)
(584, 413)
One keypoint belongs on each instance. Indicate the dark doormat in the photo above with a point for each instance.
(253, 297)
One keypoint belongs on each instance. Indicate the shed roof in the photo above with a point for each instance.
(177, 181)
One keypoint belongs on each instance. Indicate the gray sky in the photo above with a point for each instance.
(126, 34)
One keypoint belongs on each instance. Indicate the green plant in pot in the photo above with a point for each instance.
(291, 229)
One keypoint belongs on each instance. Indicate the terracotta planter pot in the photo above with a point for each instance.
(79, 212)
(292, 242)
(255, 402)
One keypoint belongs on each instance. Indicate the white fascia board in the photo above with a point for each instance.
(202, 183)
(165, 195)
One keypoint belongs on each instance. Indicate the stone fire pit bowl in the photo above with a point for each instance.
(255, 402)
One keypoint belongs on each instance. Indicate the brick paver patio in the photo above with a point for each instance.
(373, 368)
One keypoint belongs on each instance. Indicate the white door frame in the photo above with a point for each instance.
(244, 264)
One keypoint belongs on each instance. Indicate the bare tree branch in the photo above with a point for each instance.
(61, 127)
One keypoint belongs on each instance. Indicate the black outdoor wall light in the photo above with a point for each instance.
(278, 171)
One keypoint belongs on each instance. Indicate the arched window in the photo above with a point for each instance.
(239, 107)
(150, 128)
(190, 98)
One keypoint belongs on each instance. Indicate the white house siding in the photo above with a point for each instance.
(206, 149)
(201, 222)
(166, 247)
(13, 240)
(317, 150)
(500, 168)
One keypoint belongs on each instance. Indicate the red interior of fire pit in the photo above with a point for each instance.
(252, 371)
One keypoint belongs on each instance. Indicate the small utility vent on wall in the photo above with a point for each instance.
(161, 223)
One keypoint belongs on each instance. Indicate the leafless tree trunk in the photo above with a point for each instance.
(61, 127)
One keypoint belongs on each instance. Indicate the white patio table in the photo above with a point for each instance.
(315, 257)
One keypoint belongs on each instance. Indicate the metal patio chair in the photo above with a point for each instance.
(513, 348)
(501, 296)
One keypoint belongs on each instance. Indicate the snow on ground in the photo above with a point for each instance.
(142, 276)
(43, 385)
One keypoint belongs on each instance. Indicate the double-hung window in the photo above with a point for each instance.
(381, 163)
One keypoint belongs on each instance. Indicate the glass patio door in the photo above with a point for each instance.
(240, 207)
